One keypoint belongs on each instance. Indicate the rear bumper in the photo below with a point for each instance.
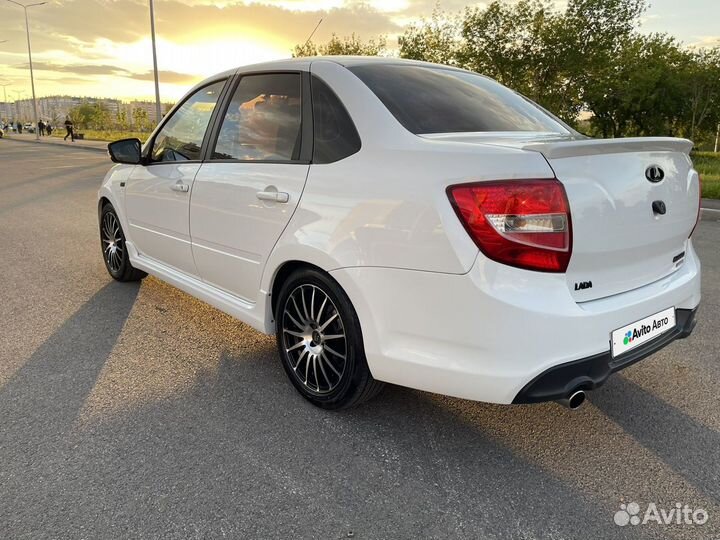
(589, 373)
(490, 334)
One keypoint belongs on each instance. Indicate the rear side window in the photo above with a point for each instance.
(263, 120)
(334, 132)
(437, 100)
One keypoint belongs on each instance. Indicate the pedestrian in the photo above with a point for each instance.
(41, 127)
(48, 130)
(19, 127)
(70, 129)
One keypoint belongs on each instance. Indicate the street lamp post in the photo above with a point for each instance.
(155, 69)
(5, 101)
(6, 106)
(32, 79)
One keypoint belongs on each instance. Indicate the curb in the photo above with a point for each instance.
(709, 214)
(711, 204)
(53, 143)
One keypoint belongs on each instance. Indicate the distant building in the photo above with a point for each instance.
(148, 107)
(55, 108)
(7, 111)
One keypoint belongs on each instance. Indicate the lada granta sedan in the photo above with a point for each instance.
(411, 223)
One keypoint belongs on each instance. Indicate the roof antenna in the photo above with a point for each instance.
(313, 32)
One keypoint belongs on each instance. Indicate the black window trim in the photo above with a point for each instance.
(147, 149)
(340, 101)
(306, 124)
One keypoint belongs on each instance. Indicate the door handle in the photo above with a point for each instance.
(179, 186)
(274, 196)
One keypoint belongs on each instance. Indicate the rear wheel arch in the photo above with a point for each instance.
(102, 202)
(355, 383)
(283, 272)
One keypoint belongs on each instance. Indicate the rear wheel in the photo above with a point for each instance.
(114, 250)
(320, 342)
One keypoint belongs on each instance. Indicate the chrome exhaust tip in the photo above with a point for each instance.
(574, 400)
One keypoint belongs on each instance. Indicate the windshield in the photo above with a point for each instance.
(436, 100)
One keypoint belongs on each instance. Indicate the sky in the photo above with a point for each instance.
(101, 48)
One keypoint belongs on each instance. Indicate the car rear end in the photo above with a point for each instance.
(615, 226)
(580, 272)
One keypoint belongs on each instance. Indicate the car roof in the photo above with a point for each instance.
(303, 64)
(347, 61)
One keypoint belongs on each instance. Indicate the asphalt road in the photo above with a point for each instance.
(135, 411)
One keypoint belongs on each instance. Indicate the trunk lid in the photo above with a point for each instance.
(621, 240)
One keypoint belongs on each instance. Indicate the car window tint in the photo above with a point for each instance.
(334, 132)
(180, 139)
(437, 100)
(263, 120)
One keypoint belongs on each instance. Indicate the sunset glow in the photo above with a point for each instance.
(101, 48)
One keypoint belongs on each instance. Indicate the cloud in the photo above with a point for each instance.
(77, 69)
(72, 23)
(706, 41)
(170, 77)
(166, 76)
(64, 80)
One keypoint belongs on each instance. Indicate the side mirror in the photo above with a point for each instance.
(125, 151)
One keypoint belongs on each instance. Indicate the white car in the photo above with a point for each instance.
(410, 223)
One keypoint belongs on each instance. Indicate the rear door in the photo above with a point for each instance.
(245, 194)
(157, 195)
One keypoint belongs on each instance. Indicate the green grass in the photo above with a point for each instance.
(708, 165)
(109, 136)
(711, 187)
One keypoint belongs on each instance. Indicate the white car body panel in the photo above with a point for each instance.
(158, 216)
(500, 326)
(233, 232)
(436, 313)
(619, 242)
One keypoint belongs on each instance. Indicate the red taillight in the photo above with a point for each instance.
(523, 223)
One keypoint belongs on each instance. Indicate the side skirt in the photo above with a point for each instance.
(252, 314)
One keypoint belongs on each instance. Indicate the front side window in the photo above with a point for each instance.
(263, 120)
(180, 139)
(436, 100)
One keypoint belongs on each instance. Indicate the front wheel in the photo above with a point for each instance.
(114, 250)
(320, 342)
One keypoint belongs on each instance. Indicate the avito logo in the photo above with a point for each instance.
(644, 329)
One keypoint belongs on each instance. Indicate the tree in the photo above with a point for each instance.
(523, 46)
(122, 121)
(587, 61)
(351, 45)
(437, 40)
(703, 80)
(141, 120)
(90, 115)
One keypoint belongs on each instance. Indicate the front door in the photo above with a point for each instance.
(157, 195)
(244, 196)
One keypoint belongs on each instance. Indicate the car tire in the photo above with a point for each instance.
(114, 250)
(320, 342)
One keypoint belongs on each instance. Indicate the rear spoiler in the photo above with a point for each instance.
(589, 147)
